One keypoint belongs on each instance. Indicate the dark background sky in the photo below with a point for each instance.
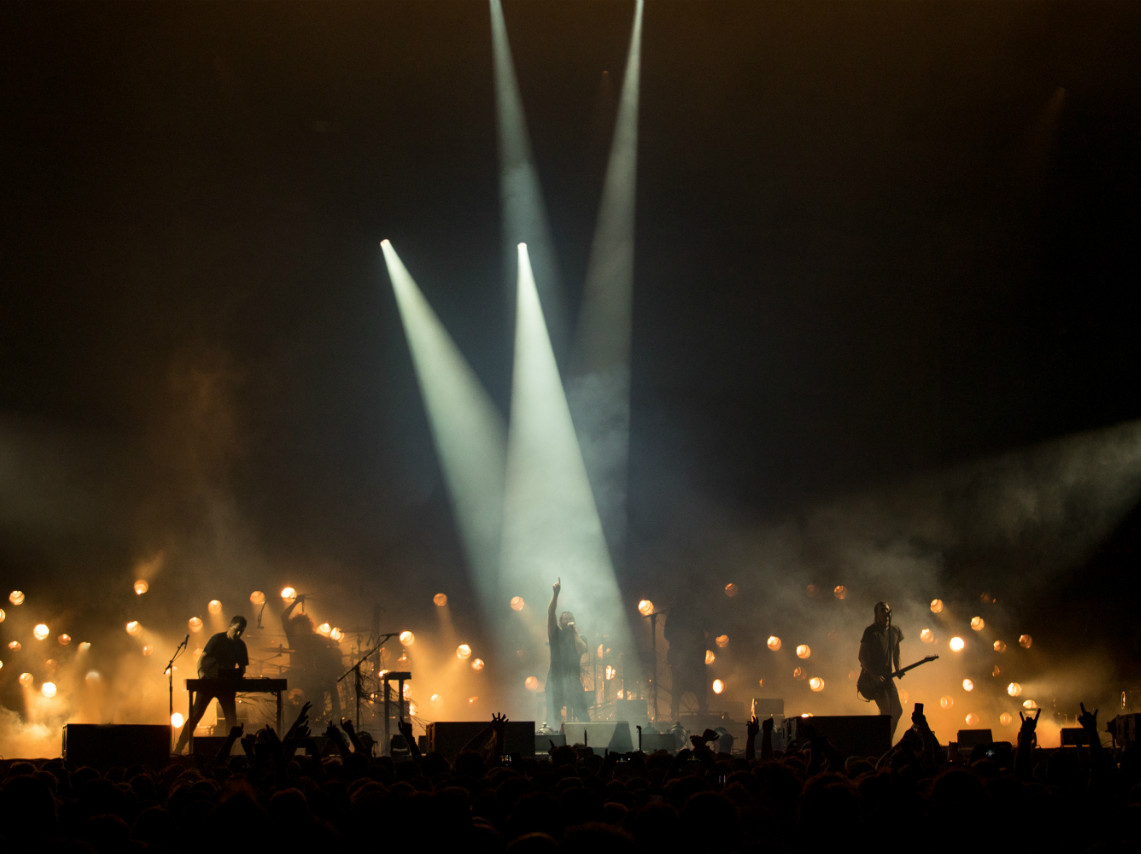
(874, 240)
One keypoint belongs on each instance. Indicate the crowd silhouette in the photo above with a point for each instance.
(278, 793)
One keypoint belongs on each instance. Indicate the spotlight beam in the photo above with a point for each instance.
(600, 391)
(466, 427)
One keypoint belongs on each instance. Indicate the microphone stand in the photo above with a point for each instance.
(356, 670)
(170, 674)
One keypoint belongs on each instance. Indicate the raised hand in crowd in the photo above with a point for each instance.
(1027, 741)
(410, 740)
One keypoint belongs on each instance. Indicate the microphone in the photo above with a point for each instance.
(186, 640)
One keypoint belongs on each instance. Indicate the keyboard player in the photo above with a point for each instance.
(224, 657)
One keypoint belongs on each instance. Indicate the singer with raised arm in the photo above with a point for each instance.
(879, 661)
(564, 679)
(224, 657)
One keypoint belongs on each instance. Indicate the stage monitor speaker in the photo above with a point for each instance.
(1124, 728)
(852, 735)
(652, 742)
(1073, 736)
(104, 745)
(543, 742)
(968, 739)
(449, 737)
(611, 735)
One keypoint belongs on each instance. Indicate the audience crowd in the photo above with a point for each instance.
(281, 795)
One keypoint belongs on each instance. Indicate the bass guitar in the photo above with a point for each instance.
(868, 686)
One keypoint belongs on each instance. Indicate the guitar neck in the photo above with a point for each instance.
(923, 661)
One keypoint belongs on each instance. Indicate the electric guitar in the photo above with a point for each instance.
(868, 686)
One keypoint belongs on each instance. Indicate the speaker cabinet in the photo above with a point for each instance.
(543, 742)
(104, 745)
(449, 737)
(652, 742)
(611, 735)
(852, 735)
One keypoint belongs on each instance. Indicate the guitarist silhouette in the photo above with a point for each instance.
(879, 660)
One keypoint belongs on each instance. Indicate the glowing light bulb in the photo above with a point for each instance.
(84, 646)
(840, 592)
(92, 677)
(48, 690)
(803, 651)
(926, 636)
(463, 651)
(64, 639)
(147, 650)
(214, 607)
(336, 633)
(609, 673)
(968, 685)
(1014, 689)
(477, 664)
(1030, 704)
(473, 699)
(718, 687)
(407, 638)
(977, 623)
(1025, 640)
(936, 606)
(2, 616)
(41, 631)
(722, 641)
(257, 598)
(141, 586)
(14, 645)
(324, 628)
(1, 663)
(956, 644)
(289, 593)
(710, 657)
(1006, 719)
(435, 699)
(517, 604)
(995, 671)
(773, 643)
(176, 720)
(816, 684)
(134, 627)
(971, 719)
(731, 590)
(440, 600)
(26, 679)
(645, 607)
(946, 702)
(531, 684)
(194, 624)
(1000, 647)
(799, 673)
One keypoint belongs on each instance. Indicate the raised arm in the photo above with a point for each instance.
(552, 621)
